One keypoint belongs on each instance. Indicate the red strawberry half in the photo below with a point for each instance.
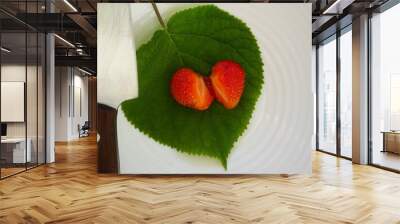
(228, 79)
(189, 89)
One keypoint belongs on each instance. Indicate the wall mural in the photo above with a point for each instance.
(195, 95)
(202, 53)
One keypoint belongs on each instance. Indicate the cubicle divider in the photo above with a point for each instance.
(22, 77)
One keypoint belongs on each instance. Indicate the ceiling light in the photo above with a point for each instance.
(338, 6)
(5, 50)
(79, 51)
(328, 10)
(84, 71)
(65, 41)
(70, 5)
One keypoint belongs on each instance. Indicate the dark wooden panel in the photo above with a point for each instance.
(93, 103)
(107, 160)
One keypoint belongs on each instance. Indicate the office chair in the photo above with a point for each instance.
(84, 130)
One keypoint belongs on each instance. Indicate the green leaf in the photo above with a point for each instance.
(196, 38)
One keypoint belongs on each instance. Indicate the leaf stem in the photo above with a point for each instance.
(158, 14)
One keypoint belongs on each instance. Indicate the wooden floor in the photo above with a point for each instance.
(70, 191)
(5, 172)
(386, 159)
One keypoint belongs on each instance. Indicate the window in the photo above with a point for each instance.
(385, 89)
(327, 96)
(346, 93)
(395, 102)
(334, 106)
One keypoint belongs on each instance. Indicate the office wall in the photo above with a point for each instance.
(80, 109)
(71, 102)
(62, 81)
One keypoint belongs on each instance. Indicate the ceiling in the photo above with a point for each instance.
(75, 22)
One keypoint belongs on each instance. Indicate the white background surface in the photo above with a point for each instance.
(278, 139)
(12, 101)
(116, 55)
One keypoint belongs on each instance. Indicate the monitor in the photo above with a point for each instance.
(3, 129)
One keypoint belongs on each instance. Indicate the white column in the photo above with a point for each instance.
(360, 90)
(50, 94)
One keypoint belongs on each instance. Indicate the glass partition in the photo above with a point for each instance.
(31, 100)
(13, 94)
(23, 89)
(41, 108)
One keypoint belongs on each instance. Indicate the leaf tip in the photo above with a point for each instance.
(224, 163)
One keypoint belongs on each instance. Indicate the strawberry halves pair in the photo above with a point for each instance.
(225, 84)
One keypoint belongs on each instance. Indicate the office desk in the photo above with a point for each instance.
(13, 150)
(391, 141)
